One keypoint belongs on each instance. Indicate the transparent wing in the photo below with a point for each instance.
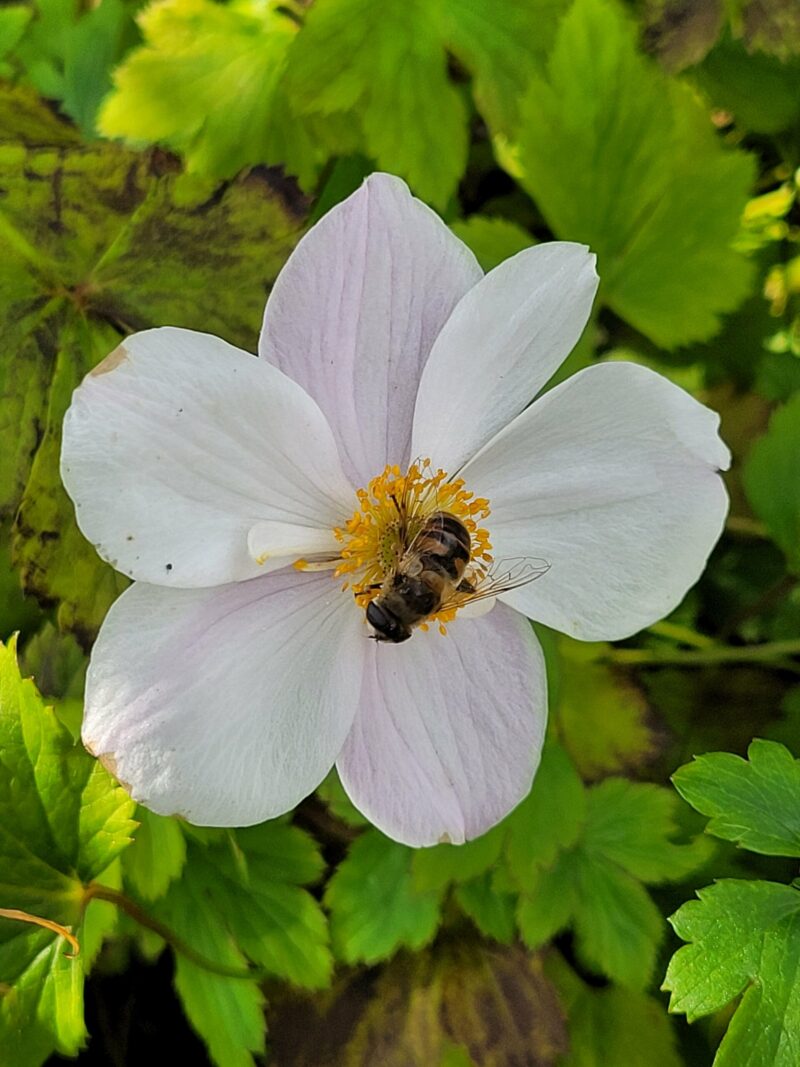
(504, 575)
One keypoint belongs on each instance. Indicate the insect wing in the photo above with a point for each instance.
(508, 574)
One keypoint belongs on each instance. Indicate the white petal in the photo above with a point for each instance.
(178, 443)
(356, 309)
(275, 541)
(611, 478)
(449, 729)
(225, 705)
(502, 343)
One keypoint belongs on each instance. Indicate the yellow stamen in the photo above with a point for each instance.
(391, 512)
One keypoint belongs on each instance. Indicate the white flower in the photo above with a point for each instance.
(226, 681)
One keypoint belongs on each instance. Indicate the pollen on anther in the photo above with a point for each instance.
(392, 510)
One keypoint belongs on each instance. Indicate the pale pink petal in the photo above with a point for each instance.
(502, 343)
(449, 729)
(225, 705)
(611, 478)
(178, 444)
(356, 309)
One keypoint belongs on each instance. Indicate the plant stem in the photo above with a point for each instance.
(684, 635)
(772, 652)
(95, 891)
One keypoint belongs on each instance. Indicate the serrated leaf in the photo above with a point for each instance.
(208, 83)
(603, 717)
(383, 62)
(550, 818)
(549, 901)
(492, 911)
(157, 856)
(62, 823)
(612, 1026)
(435, 868)
(227, 1013)
(596, 886)
(374, 906)
(251, 882)
(771, 482)
(128, 243)
(502, 42)
(492, 239)
(624, 159)
(754, 802)
(617, 925)
(745, 939)
(632, 823)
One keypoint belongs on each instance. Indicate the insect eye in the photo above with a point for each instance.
(386, 626)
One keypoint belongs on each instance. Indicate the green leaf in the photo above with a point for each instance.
(68, 53)
(93, 48)
(492, 239)
(375, 908)
(502, 42)
(550, 818)
(253, 881)
(62, 823)
(340, 804)
(771, 482)
(596, 886)
(549, 901)
(239, 898)
(227, 1013)
(208, 82)
(13, 21)
(755, 803)
(99, 241)
(612, 1026)
(617, 925)
(382, 62)
(744, 939)
(624, 158)
(492, 910)
(603, 717)
(631, 823)
(435, 868)
(157, 856)
(762, 92)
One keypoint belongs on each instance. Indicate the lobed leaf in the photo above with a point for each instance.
(624, 159)
(753, 802)
(63, 821)
(744, 939)
(374, 905)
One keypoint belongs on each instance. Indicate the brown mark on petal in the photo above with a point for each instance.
(111, 362)
(109, 761)
(445, 839)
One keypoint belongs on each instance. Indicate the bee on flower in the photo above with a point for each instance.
(337, 546)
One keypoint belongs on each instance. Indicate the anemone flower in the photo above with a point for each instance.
(254, 501)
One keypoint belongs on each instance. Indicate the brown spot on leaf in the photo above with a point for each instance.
(495, 1003)
(111, 362)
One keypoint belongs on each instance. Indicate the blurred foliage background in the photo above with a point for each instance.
(157, 165)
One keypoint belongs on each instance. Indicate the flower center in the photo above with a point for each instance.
(379, 540)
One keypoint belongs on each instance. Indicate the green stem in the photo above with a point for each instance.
(95, 891)
(772, 652)
(745, 526)
(684, 635)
